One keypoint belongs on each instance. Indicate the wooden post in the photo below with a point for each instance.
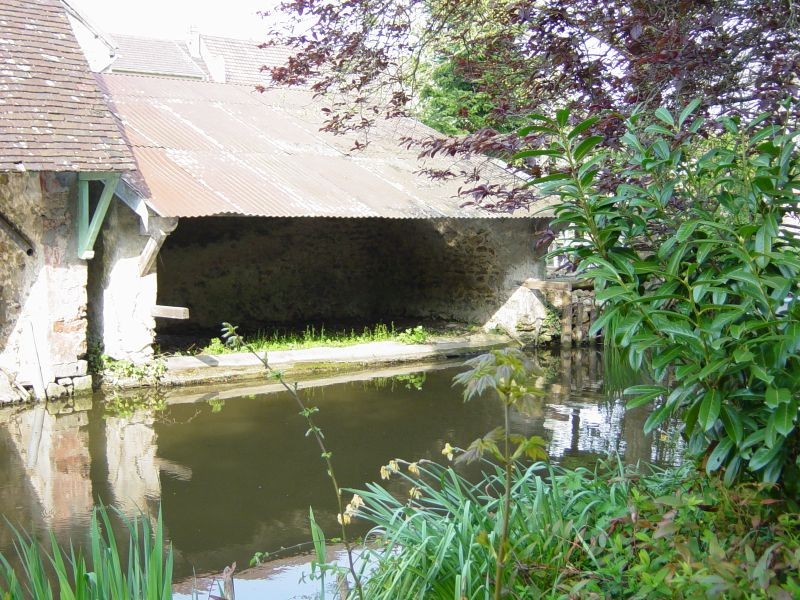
(577, 335)
(566, 318)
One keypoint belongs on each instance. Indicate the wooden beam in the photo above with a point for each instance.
(148, 256)
(88, 230)
(547, 284)
(557, 284)
(169, 312)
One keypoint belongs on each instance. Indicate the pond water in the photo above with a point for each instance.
(234, 474)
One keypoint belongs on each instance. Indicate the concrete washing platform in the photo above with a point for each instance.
(189, 370)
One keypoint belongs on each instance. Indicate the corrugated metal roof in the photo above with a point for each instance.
(53, 115)
(208, 149)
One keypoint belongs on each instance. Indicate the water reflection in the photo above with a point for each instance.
(51, 444)
(582, 416)
(234, 474)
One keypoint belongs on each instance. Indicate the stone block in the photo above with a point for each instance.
(82, 384)
(82, 401)
(7, 393)
(78, 368)
(55, 391)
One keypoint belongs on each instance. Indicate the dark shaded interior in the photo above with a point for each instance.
(263, 273)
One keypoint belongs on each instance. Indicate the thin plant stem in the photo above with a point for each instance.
(501, 551)
(326, 455)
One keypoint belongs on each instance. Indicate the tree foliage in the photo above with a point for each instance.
(512, 57)
(697, 267)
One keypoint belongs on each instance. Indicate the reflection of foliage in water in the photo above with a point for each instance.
(216, 404)
(126, 405)
(547, 368)
(618, 373)
(410, 381)
(668, 443)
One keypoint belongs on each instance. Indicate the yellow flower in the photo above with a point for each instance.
(344, 519)
(415, 493)
(393, 466)
(385, 473)
(351, 510)
(413, 469)
(448, 451)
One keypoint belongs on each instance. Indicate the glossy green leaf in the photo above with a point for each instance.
(718, 455)
(688, 111)
(710, 406)
(582, 126)
(586, 146)
(784, 418)
(732, 423)
(610, 293)
(664, 115)
(643, 394)
(773, 397)
(763, 456)
(656, 418)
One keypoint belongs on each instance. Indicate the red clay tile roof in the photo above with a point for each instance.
(53, 114)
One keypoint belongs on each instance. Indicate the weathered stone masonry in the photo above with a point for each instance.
(258, 271)
(42, 296)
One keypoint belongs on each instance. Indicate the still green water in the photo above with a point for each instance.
(234, 473)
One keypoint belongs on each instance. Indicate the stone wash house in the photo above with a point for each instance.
(234, 207)
(61, 155)
(254, 216)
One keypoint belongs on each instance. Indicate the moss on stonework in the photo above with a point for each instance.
(543, 331)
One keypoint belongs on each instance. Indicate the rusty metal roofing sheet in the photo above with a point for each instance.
(53, 115)
(208, 149)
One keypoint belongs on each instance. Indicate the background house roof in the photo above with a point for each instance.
(243, 59)
(208, 149)
(53, 114)
(136, 54)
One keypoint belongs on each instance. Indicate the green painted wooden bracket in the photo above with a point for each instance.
(89, 229)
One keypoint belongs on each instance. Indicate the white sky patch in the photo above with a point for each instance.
(172, 19)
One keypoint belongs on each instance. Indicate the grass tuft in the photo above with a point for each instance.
(50, 571)
(314, 337)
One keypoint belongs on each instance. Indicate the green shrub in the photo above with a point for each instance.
(696, 273)
(614, 532)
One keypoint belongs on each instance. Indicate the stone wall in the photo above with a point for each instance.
(261, 271)
(120, 299)
(42, 296)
